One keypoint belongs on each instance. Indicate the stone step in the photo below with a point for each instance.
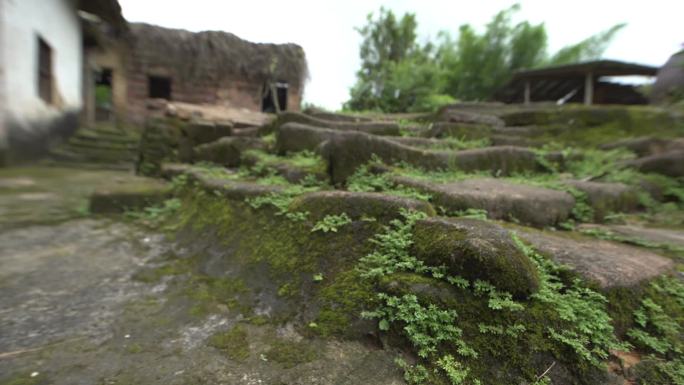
(375, 128)
(656, 237)
(347, 151)
(82, 164)
(357, 205)
(76, 143)
(90, 136)
(503, 200)
(607, 264)
(62, 154)
(605, 198)
(669, 163)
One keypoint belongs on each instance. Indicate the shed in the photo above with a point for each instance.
(579, 82)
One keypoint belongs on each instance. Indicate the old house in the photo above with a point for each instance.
(65, 63)
(41, 70)
(208, 68)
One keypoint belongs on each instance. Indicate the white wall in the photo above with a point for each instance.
(56, 22)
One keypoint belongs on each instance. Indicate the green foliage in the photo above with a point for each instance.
(425, 326)
(659, 330)
(588, 331)
(397, 74)
(392, 249)
(588, 49)
(363, 180)
(331, 223)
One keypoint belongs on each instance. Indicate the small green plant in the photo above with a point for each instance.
(472, 213)
(331, 223)
(363, 180)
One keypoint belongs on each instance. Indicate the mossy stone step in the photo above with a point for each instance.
(101, 145)
(375, 128)
(654, 236)
(605, 198)
(605, 263)
(670, 163)
(62, 154)
(89, 136)
(501, 199)
(357, 205)
(352, 149)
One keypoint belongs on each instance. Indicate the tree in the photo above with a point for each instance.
(588, 49)
(397, 74)
(386, 42)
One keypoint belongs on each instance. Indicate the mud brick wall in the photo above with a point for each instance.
(200, 88)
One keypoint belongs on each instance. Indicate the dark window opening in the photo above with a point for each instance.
(268, 102)
(159, 87)
(103, 95)
(44, 71)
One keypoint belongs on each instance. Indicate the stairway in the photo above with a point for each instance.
(103, 146)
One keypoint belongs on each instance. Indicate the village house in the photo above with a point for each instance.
(69, 63)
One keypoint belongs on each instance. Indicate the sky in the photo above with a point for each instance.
(325, 28)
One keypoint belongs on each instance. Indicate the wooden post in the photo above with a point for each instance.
(274, 96)
(528, 92)
(589, 89)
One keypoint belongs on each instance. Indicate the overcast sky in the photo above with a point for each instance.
(325, 29)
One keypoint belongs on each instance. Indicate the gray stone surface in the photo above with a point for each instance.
(608, 264)
(503, 200)
(606, 198)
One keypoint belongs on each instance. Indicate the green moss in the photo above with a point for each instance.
(233, 342)
(210, 293)
(342, 301)
(290, 353)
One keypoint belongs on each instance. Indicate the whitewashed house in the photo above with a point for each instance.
(42, 45)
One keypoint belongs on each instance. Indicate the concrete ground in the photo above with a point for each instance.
(73, 309)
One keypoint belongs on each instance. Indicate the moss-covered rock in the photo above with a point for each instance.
(476, 249)
(357, 205)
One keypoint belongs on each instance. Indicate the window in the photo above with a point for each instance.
(159, 87)
(44, 71)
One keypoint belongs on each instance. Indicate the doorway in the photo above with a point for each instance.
(103, 95)
(268, 103)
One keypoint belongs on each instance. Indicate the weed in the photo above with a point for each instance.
(331, 223)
